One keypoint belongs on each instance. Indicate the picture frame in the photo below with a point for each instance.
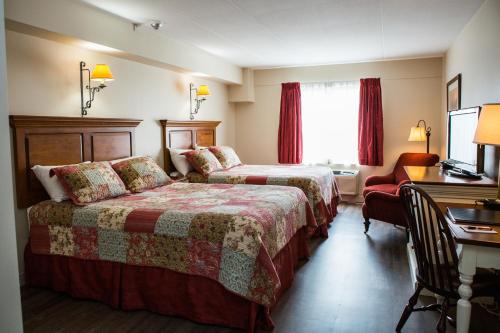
(454, 93)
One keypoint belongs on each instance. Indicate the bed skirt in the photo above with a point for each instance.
(129, 287)
(328, 212)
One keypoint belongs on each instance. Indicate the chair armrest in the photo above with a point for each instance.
(403, 182)
(376, 195)
(375, 180)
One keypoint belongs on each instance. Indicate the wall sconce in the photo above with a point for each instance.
(420, 134)
(101, 73)
(197, 96)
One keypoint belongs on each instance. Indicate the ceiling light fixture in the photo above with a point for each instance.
(155, 24)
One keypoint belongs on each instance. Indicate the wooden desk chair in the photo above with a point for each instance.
(437, 261)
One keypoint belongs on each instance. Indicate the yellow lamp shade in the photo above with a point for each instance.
(101, 73)
(488, 126)
(417, 133)
(203, 90)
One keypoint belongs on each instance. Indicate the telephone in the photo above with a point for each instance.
(453, 170)
(448, 164)
(490, 203)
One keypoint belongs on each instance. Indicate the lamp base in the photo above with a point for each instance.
(493, 203)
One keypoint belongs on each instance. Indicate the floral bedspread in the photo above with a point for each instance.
(228, 233)
(317, 182)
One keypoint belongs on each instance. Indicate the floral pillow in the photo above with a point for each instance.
(203, 161)
(226, 156)
(89, 182)
(141, 173)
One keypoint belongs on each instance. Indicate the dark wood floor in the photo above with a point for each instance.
(352, 283)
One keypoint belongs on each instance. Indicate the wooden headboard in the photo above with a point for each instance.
(64, 140)
(186, 135)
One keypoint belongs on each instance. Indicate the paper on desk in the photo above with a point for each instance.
(478, 231)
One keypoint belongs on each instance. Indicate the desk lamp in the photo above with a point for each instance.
(488, 133)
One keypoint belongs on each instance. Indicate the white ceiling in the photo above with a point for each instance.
(272, 33)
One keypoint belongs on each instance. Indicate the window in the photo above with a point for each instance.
(330, 122)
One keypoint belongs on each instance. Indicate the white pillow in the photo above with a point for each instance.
(175, 174)
(180, 161)
(50, 184)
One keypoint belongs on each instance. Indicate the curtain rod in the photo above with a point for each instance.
(382, 79)
(329, 81)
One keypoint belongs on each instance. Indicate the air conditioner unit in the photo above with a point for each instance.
(348, 181)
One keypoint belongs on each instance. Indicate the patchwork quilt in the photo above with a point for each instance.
(317, 182)
(225, 232)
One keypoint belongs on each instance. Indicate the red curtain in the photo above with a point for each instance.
(370, 123)
(290, 129)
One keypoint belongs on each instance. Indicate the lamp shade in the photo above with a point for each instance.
(101, 72)
(488, 126)
(203, 90)
(417, 133)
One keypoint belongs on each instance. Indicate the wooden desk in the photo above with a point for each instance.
(474, 250)
(436, 176)
(444, 188)
(462, 237)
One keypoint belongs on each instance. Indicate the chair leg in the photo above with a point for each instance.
(409, 308)
(367, 224)
(441, 325)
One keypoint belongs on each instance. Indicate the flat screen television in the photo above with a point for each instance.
(461, 128)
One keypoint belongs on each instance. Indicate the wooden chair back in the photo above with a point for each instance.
(437, 261)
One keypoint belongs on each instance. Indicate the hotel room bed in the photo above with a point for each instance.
(230, 234)
(213, 253)
(317, 182)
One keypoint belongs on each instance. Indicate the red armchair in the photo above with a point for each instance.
(381, 193)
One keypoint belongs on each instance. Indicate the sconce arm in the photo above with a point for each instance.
(193, 97)
(92, 90)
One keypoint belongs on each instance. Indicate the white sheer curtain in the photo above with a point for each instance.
(330, 122)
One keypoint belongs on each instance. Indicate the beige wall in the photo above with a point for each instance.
(411, 90)
(10, 300)
(43, 79)
(476, 54)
